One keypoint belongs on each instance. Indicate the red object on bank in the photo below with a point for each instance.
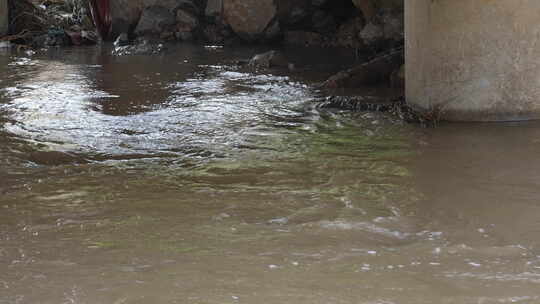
(101, 14)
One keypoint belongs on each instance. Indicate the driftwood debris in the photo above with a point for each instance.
(49, 23)
(25, 20)
(372, 72)
(396, 106)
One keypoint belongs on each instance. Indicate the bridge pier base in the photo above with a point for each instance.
(474, 60)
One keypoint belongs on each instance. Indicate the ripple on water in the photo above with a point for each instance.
(367, 227)
(215, 109)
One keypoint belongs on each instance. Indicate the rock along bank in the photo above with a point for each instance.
(3, 17)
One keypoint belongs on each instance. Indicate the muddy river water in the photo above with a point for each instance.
(183, 178)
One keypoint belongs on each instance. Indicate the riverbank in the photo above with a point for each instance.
(46, 24)
(363, 26)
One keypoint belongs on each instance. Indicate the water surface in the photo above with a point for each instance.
(184, 178)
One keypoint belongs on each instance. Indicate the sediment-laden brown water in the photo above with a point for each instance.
(183, 178)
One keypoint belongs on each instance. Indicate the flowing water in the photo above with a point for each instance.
(184, 178)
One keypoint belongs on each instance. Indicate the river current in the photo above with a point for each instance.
(184, 178)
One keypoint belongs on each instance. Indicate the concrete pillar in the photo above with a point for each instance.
(474, 60)
(3, 17)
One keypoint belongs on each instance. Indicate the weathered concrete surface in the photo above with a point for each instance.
(474, 60)
(3, 17)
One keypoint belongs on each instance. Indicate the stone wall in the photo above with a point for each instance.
(343, 23)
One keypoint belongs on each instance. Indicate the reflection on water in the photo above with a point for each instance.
(182, 178)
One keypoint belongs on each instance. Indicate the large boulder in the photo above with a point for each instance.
(155, 20)
(126, 14)
(373, 8)
(292, 13)
(192, 6)
(213, 8)
(384, 21)
(186, 23)
(3, 17)
(249, 18)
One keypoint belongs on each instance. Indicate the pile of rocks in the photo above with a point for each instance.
(345, 23)
(359, 24)
(373, 25)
